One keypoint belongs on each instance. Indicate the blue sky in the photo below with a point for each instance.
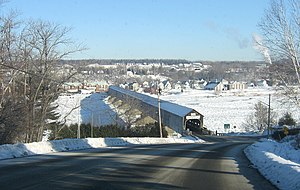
(135, 29)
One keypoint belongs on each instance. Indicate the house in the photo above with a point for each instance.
(216, 86)
(226, 85)
(102, 86)
(124, 85)
(76, 87)
(199, 84)
(186, 85)
(262, 83)
(237, 86)
(134, 86)
(72, 87)
(145, 84)
(177, 86)
(98, 86)
(165, 85)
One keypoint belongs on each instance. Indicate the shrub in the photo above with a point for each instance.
(149, 130)
(287, 119)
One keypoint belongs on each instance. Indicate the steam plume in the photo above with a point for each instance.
(258, 45)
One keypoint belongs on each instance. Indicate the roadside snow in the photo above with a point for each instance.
(278, 162)
(21, 150)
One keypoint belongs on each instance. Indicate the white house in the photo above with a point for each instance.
(134, 86)
(199, 84)
(145, 84)
(186, 85)
(177, 86)
(165, 85)
(237, 86)
(262, 83)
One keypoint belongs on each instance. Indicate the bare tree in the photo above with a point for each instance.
(280, 27)
(49, 43)
(258, 120)
(29, 75)
(12, 105)
(9, 58)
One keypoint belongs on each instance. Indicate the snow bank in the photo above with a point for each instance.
(278, 162)
(21, 150)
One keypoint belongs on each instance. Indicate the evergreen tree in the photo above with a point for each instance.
(287, 119)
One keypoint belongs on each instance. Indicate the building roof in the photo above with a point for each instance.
(164, 105)
(212, 85)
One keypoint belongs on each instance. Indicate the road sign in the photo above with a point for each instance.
(286, 130)
(226, 126)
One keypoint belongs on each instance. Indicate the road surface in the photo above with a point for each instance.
(218, 164)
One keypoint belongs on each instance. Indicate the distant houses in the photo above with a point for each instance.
(165, 85)
(224, 85)
(87, 87)
(72, 87)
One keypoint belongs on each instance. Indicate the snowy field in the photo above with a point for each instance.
(227, 108)
(85, 108)
(232, 107)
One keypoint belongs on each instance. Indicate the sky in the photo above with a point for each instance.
(215, 30)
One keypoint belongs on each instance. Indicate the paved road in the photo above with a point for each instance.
(219, 164)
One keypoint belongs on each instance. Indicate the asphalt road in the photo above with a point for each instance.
(218, 164)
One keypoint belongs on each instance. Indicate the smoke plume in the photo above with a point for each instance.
(258, 45)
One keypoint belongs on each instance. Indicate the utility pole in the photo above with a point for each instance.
(159, 114)
(78, 126)
(269, 115)
(92, 125)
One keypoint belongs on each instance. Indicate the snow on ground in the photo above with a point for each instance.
(21, 150)
(231, 107)
(278, 162)
(84, 108)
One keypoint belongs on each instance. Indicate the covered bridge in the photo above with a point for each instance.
(176, 117)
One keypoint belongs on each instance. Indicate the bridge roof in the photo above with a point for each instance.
(164, 105)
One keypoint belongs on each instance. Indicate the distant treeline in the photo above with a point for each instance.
(125, 61)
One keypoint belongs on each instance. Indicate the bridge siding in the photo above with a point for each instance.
(173, 115)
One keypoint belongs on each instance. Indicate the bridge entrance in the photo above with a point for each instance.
(193, 121)
(193, 125)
